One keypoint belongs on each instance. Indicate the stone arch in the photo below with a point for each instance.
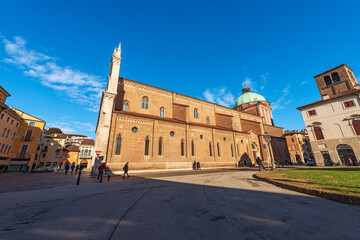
(335, 77)
(346, 155)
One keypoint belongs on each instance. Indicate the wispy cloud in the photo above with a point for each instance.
(303, 83)
(283, 100)
(80, 87)
(71, 126)
(264, 77)
(219, 96)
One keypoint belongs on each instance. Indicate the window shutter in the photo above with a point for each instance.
(356, 124)
(318, 133)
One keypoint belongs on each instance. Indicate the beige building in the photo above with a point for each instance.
(333, 123)
(50, 150)
(153, 128)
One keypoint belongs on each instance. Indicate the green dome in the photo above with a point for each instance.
(248, 97)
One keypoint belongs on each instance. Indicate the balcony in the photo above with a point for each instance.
(85, 156)
(21, 156)
(27, 139)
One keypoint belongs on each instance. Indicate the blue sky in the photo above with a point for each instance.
(55, 56)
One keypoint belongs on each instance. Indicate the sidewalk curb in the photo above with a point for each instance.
(347, 199)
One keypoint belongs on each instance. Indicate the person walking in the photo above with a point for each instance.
(259, 162)
(67, 168)
(194, 165)
(126, 169)
(198, 166)
(76, 169)
(101, 169)
(72, 167)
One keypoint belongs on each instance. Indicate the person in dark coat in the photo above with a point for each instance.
(126, 169)
(72, 167)
(76, 169)
(194, 165)
(259, 162)
(198, 166)
(66, 168)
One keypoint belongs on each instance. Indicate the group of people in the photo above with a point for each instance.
(103, 170)
(196, 165)
(73, 167)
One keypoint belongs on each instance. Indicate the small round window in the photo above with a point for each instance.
(201, 137)
(172, 133)
(134, 129)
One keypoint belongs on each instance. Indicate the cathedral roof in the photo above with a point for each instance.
(247, 96)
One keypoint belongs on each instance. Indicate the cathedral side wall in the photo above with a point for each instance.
(232, 145)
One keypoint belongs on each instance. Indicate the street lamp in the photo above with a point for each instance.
(268, 139)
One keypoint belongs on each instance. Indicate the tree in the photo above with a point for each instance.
(53, 130)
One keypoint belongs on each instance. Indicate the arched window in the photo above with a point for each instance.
(232, 151)
(192, 148)
(160, 147)
(335, 77)
(82, 152)
(356, 125)
(318, 133)
(145, 103)
(208, 120)
(118, 145)
(162, 112)
(218, 149)
(210, 150)
(327, 80)
(182, 147)
(86, 152)
(125, 106)
(196, 113)
(147, 143)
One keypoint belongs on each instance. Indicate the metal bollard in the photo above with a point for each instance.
(78, 178)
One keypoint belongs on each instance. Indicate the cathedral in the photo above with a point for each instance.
(152, 128)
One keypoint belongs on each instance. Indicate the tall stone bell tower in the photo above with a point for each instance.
(106, 109)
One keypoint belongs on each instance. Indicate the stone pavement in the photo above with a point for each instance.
(214, 205)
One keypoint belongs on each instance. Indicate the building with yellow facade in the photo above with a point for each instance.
(23, 151)
(299, 146)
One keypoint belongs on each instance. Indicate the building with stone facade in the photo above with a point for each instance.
(299, 146)
(153, 128)
(333, 123)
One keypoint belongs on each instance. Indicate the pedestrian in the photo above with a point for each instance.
(66, 168)
(76, 169)
(198, 166)
(194, 165)
(72, 167)
(101, 169)
(126, 169)
(259, 162)
(109, 173)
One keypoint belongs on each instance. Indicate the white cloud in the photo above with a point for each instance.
(283, 100)
(219, 96)
(303, 83)
(264, 77)
(80, 87)
(71, 126)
